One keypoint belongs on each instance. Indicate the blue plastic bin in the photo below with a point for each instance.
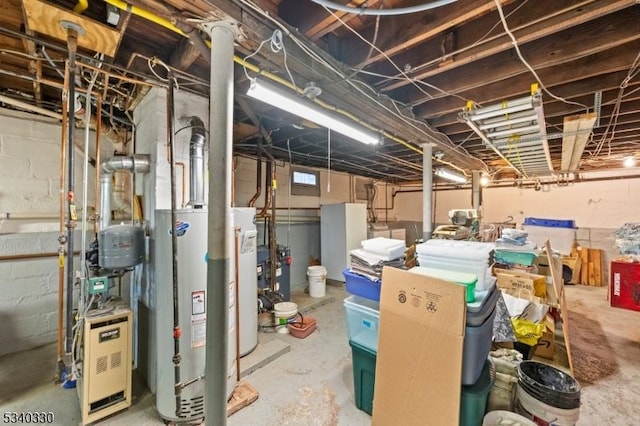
(361, 286)
(550, 223)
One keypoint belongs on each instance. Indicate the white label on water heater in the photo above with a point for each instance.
(198, 302)
(198, 319)
(199, 331)
(249, 242)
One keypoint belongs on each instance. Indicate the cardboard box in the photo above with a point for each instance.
(546, 347)
(521, 281)
(575, 264)
(419, 363)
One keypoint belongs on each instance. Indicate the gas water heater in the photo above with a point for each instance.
(191, 230)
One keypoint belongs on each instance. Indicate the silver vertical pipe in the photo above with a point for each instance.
(427, 192)
(196, 163)
(475, 189)
(220, 233)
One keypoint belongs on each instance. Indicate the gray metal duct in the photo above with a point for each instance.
(196, 163)
(136, 163)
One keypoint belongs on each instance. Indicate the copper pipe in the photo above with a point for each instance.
(29, 256)
(184, 185)
(63, 161)
(96, 193)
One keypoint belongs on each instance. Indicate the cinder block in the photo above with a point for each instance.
(25, 147)
(14, 167)
(15, 290)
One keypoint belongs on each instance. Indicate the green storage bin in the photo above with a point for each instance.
(474, 398)
(364, 376)
(460, 278)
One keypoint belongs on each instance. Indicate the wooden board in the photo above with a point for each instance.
(591, 276)
(558, 285)
(44, 18)
(244, 394)
(595, 257)
(584, 269)
(576, 132)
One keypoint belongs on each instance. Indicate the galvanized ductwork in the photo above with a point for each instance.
(136, 163)
(196, 163)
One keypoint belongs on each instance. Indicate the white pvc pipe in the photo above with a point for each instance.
(427, 192)
(383, 12)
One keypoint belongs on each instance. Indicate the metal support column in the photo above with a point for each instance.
(220, 220)
(427, 192)
(476, 189)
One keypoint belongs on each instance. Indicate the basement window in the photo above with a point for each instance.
(305, 182)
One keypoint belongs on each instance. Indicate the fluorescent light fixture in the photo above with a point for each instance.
(450, 175)
(629, 161)
(297, 105)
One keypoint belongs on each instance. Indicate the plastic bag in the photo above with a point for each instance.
(527, 332)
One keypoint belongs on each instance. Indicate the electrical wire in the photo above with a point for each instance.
(277, 45)
(384, 12)
(524, 61)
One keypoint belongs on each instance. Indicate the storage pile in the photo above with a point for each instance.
(561, 233)
(363, 277)
(628, 239)
(478, 373)
(460, 256)
(513, 248)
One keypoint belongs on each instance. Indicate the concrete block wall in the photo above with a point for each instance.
(29, 224)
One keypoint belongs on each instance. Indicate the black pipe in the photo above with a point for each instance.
(72, 40)
(255, 197)
(174, 249)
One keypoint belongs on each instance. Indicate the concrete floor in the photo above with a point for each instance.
(312, 383)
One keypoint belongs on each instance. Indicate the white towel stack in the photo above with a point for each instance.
(376, 253)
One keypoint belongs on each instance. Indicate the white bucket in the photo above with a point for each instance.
(543, 414)
(283, 312)
(505, 418)
(317, 277)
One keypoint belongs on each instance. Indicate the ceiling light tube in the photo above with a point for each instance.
(450, 175)
(294, 104)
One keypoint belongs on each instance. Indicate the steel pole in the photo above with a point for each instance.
(220, 232)
(427, 192)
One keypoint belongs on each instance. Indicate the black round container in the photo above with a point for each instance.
(549, 385)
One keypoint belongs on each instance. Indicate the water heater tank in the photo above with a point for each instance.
(120, 246)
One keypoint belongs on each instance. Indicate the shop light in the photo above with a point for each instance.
(451, 175)
(297, 105)
(629, 161)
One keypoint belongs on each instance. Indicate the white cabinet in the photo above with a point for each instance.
(342, 228)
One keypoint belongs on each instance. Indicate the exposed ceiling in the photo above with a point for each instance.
(409, 75)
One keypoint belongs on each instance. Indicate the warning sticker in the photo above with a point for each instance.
(198, 332)
(198, 302)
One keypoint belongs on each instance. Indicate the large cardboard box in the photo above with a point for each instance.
(521, 281)
(419, 364)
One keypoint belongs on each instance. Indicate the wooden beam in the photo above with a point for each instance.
(599, 64)
(532, 21)
(35, 67)
(577, 129)
(604, 34)
(406, 31)
(184, 54)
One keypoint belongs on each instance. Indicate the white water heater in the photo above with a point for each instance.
(191, 229)
(244, 218)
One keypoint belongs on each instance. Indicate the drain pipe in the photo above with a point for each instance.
(174, 249)
(72, 42)
(220, 235)
(136, 163)
(196, 163)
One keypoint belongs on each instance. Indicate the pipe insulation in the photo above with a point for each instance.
(196, 163)
(136, 163)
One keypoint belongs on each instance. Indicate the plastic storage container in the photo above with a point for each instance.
(552, 223)
(364, 376)
(387, 248)
(461, 278)
(361, 286)
(363, 318)
(479, 311)
(473, 401)
(479, 268)
(475, 349)
(561, 239)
